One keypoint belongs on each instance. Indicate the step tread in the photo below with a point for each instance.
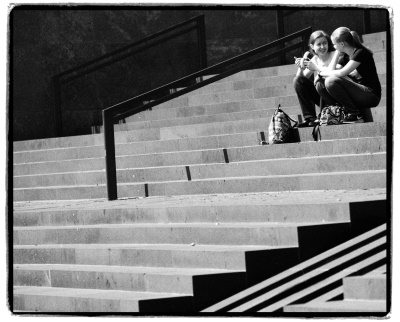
(192, 165)
(124, 269)
(342, 306)
(166, 247)
(260, 198)
(239, 225)
(210, 179)
(200, 151)
(90, 293)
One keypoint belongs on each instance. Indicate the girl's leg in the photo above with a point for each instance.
(350, 95)
(307, 96)
(321, 89)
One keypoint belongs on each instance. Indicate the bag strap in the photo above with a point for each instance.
(279, 109)
(316, 132)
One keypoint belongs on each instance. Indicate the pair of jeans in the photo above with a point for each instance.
(350, 95)
(307, 95)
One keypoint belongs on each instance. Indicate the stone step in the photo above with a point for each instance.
(259, 81)
(286, 206)
(158, 112)
(311, 277)
(266, 112)
(228, 257)
(185, 158)
(359, 306)
(373, 38)
(321, 181)
(225, 117)
(378, 114)
(252, 92)
(50, 299)
(217, 128)
(319, 164)
(123, 136)
(124, 278)
(291, 69)
(269, 234)
(368, 287)
(134, 148)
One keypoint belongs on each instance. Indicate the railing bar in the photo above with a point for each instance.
(200, 73)
(195, 86)
(289, 12)
(128, 46)
(87, 71)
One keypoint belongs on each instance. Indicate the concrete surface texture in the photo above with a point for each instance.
(205, 211)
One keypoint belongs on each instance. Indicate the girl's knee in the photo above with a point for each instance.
(331, 81)
(298, 80)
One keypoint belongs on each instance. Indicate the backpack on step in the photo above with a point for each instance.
(330, 115)
(280, 128)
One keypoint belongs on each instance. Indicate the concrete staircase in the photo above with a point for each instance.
(204, 211)
(353, 271)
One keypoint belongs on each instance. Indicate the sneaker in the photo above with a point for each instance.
(349, 119)
(308, 123)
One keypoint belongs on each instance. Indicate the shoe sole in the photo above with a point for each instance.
(352, 122)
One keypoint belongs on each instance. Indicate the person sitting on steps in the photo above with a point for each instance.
(321, 46)
(364, 92)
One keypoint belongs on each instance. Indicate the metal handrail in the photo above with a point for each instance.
(112, 57)
(127, 108)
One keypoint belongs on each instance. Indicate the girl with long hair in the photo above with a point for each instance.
(321, 46)
(366, 91)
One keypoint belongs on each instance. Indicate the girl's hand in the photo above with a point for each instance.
(298, 62)
(310, 65)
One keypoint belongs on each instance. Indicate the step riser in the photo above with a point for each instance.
(159, 113)
(297, 213)
(290, 69)
(47, 301)
(139, 282)
(378, 114)
(335, 181)
(119, 256)
(268, 236)
(365, 288)
(285, 80)
(134, 148)
(198, 172)
(43, 303)
(265, 113)
(256, 125)
(252, 89)
(289, 100)
(122, 137)
(350, 181)
(306, 149)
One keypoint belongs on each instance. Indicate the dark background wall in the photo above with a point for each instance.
(52, 39)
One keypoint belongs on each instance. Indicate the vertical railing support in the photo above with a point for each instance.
(280, 28)
(109, 145)
(367, 21)
(55, 80)
(201, 39)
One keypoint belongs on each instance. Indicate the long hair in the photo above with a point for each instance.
(318, 34)
(344, 34)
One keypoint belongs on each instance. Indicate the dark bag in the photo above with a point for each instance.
(280, 128)
(330, 115)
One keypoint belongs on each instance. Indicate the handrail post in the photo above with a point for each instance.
(109, 145)
(280, 28)
(367, 21)
(201, 39)
(55, 80)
